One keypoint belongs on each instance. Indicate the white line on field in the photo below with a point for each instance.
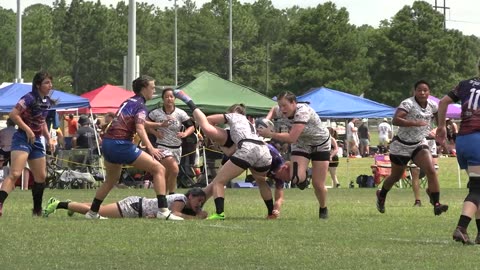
(421, 241)
(223, 226)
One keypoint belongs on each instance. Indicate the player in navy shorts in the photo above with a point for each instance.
(118, 149)
(29, 114)
(467, 92)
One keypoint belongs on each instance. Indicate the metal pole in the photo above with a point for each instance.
(231, 46)
(18, 62)
(176, 44)
(132, 22)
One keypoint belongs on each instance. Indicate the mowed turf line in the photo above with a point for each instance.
(355, 236)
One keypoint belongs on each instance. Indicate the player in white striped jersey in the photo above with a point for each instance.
(169, 136)
(251, 151)
(187, 206)
(310, 140)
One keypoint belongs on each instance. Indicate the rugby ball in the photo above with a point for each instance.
(264, 123)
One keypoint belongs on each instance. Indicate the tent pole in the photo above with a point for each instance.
(205, 165)
(347, 149)
(98, 144)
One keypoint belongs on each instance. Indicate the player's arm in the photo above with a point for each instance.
(177, 206)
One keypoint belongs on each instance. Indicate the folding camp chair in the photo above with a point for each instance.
(407, 181)
(383, 168)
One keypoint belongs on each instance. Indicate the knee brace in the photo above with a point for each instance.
(474, 190)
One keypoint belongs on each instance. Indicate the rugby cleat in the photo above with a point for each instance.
(461, 235)
(217, 216)
(93, 215)
(439, 208)
(380, 203)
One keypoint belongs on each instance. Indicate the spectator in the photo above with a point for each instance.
(364, 138)
(334, 160)
(72, 127)
(452, 131)
(384, 134)
(352, 137)
(108, 120)
(6, 135)
(85, 137)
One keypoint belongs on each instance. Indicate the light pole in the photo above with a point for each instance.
(176, 47)
(175, 40)
(230, 41)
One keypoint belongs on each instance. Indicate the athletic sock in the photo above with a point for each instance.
(269, 204)
(180, 94)
(3, 196)
(464, 221)
(478, 225)
(62, 205)
(383, 192)
(37, 194)
(96, 205)
(435, 197)
(170, 193)
(219, 205)
(162, 202)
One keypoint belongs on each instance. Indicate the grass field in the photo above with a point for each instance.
(355, 236)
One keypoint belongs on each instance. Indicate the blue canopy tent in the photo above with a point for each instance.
(10, 95)
(330, 103)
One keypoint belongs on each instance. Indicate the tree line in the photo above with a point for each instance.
(296, 49)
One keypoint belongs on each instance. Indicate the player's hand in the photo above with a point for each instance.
(265, 132)
(30, 136)
(156, 153)
(441, 135)
(202, 214)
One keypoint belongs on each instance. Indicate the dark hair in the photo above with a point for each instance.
(10, 122)
(288, 96)
(196, 192)
(421, 82)
(37, 80)
(110, 114)
(166, 90)
(333, 132)
(237, 108)
(141, 82)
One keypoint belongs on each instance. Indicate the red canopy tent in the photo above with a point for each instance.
(106, 99)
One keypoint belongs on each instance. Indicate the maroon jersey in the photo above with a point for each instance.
(468, 93)
(131, 112)
(33, 111)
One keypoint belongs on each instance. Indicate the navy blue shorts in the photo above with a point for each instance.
(468, 152)
(20, 143)
(120, 151)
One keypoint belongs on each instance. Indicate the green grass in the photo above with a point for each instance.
(355, 236)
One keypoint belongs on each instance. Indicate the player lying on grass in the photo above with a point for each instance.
(187, 206)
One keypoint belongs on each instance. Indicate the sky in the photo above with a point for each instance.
(460, 15)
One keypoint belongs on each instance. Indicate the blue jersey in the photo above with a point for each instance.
(131, 112)
(33, 111)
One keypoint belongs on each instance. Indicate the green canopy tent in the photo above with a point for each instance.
(213, 94)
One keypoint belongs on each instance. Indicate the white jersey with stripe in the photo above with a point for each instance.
(417, 113)
(150, 205)
(314, 132)
(176, 118)
(241, 128)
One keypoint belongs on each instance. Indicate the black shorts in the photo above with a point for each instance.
(334, 162)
